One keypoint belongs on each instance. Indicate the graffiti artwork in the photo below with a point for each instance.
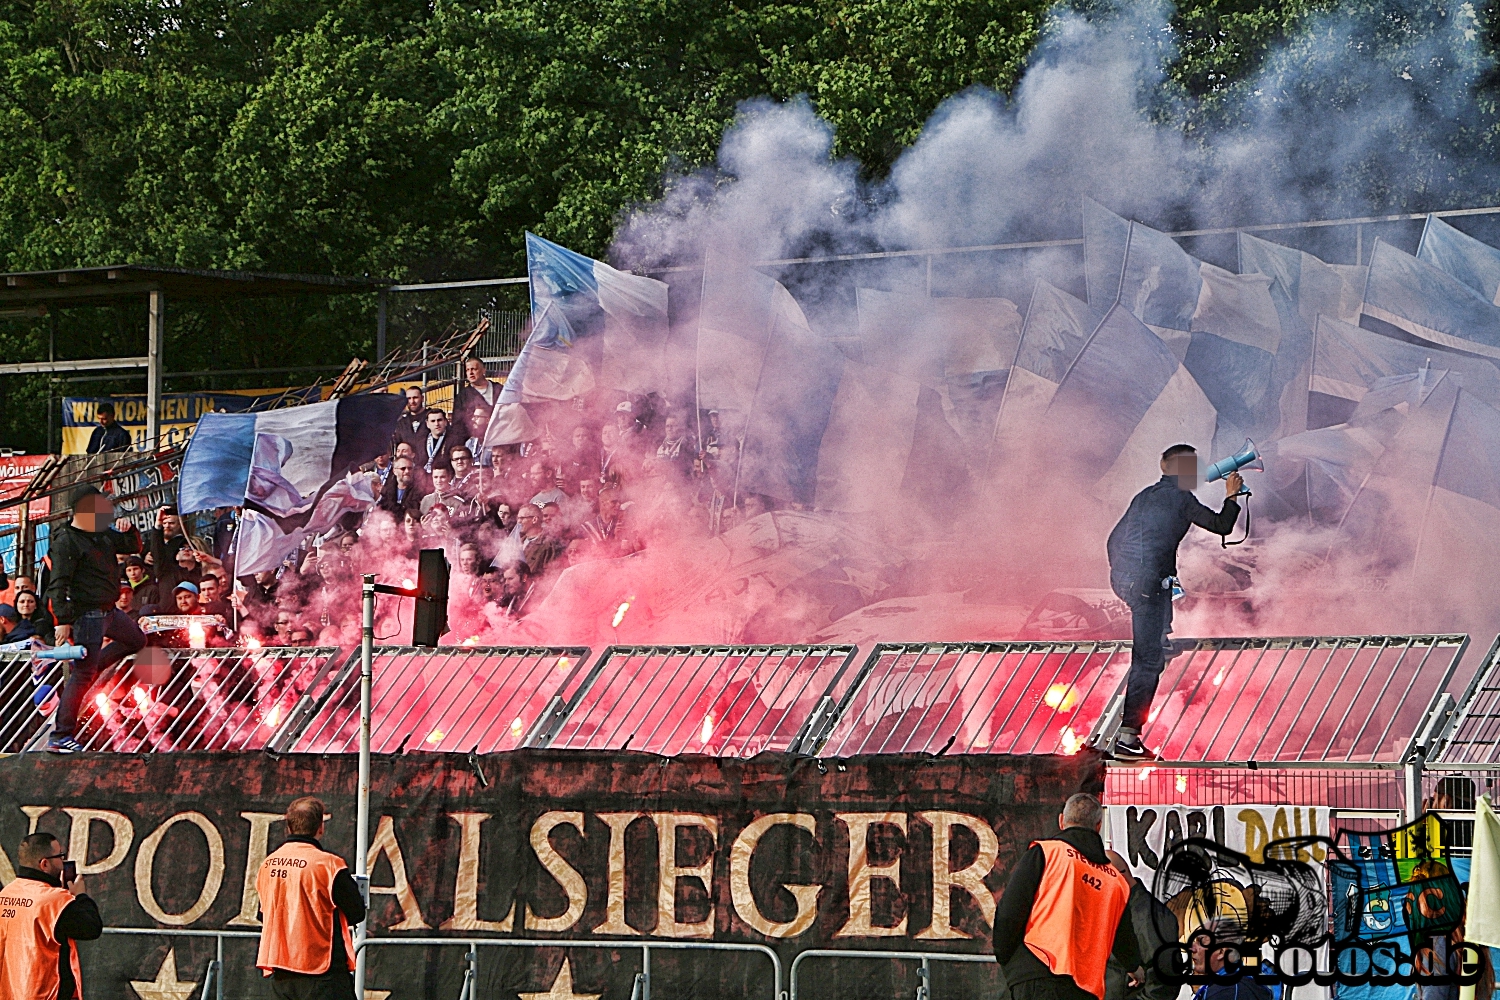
(1378, 908)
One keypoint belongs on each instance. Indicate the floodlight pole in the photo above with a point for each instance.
(362, 814)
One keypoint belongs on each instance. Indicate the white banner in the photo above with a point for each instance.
(1142, 834)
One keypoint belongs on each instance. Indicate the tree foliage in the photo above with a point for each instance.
(419, 140)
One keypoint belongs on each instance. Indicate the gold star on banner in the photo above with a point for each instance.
(562, 988)
(166, 986)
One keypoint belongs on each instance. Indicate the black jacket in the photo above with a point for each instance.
(112, 438)
(351, 907)
(1014, 911)
(85, 573)
(1143, 546)
(412, 501)
(79, 921)
(163, 550)
(1155, 928)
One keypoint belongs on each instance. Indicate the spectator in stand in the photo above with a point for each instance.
(465, 475)
(492, 587)
(556, 525)
(542, 480)
(419, 478)
(583, 507)
(381, 468)
(143, 590)
(108, 436)
(411, 426)
(476, 392)
(505, 516)
(477, 420)
(678, 451)
(582, 458)
(10, 620)
(211, 599)
(610, 453)
(400, 492)
(411, 531)
(184, 567)
(436, 446)
(185, 594)
(537, 549)
(122, 603)
(607, 531)
(163, 541)
(442, 489)
(35, 615)
(517, 585)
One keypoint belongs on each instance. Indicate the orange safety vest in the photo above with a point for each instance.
(1077, 909)
(296, 899)
(29, 947)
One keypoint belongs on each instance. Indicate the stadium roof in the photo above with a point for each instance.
(93, 286)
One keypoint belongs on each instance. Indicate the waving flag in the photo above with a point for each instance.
(1316, 288)
(1349, 360)
(1408, 297)
(590, 324)
(1057, 326)
(1105, 235)
(1453, 252)
(290, 469)
(1116, 426)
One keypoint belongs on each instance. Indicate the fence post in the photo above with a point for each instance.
(362, 811)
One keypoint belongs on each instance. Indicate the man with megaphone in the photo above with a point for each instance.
(1143, 573)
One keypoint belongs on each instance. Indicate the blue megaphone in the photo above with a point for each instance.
(1246, 458)
(60, 653)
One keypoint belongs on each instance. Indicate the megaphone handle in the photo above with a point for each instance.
(1242, 493)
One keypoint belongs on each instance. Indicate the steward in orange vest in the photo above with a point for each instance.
(39, 921)
(1064, 911)
(308, 903)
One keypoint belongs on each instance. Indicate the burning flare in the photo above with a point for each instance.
(1182, 783)
(274, 718)
(620, 612)
(1071, 744)
(435, 737)
(196, 638)
(105, 708)
(707, 732)
(1061, 697)
(516, 728)
(563, 663)
(251, 642)
(142, 699)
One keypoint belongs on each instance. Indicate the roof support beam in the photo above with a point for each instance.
(51, 367)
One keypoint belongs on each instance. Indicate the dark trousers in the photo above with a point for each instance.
(1050, 988)
(335, 984)
(90, 631)
(1150, 622)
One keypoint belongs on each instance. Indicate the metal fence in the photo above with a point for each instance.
(452, 698)
(213, 699)
(992, 697)
(732, 701)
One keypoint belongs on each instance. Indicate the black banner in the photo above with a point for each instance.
(895, 853)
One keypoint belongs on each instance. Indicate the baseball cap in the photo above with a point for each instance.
(187, 585)
(9, 611)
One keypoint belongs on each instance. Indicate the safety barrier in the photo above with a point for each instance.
(924, 974)
(973, 697)
(214, 699)
(213, 973)
(732, 701)
(452, 698)
(642, 987)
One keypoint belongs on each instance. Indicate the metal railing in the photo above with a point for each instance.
(985, 697)
(213, 973)
(641, 989)
(1332, 700)
(732, 701)
(924, 974)
(451, 698)
(213, 699)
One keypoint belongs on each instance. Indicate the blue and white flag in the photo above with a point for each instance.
(1105, 236)
(1056, 327)
(1317, 288)
(1348, 360)
(287, 468)
(1453, 252)
(1114, 427)
(590, 325)
(1409, 297)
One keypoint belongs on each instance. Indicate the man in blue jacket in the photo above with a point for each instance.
(1143, 569)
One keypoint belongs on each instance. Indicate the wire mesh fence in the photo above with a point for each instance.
(995, 697)
(1476, 730)
(732, 701)
(1335, 699)
(447, 699)
(27, 697)
(1229, 786)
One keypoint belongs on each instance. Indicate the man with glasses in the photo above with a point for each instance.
(40, 918)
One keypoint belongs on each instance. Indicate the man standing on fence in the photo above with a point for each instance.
(40, 918)
(84, 588)
(308, 903)
(1062, 908)
(1143, 573)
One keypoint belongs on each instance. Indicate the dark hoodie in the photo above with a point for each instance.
(85, 572)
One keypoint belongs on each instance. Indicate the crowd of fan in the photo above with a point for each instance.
(592, 479)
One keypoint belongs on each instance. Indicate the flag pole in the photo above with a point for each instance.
(362, 811)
